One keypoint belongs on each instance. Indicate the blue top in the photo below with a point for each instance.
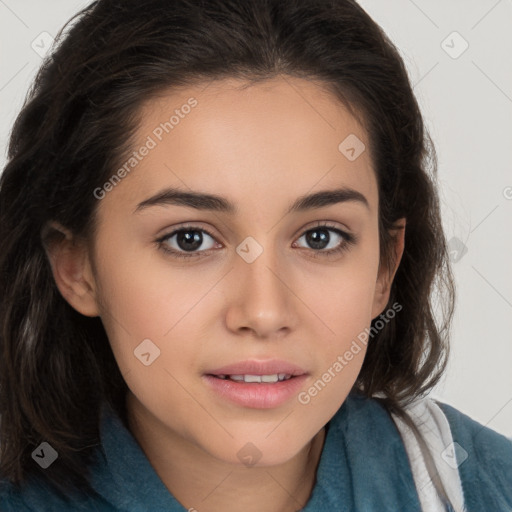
(363, 467)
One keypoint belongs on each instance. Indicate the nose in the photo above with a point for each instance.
(261, 298)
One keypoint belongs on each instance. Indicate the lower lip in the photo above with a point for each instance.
(257, 395)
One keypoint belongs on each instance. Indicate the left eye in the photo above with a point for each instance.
(319, 238)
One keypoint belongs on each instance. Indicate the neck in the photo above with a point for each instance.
(203, 483)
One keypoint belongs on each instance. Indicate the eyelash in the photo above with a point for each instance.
(345, 245)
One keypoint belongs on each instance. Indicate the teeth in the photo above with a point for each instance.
(252, 378)
(276, 377)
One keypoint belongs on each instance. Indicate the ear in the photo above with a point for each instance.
(69, 259)
(386, 274)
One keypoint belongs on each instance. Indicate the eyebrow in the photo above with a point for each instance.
(212, 202)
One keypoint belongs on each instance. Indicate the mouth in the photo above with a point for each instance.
(269, 379)
(256, 384)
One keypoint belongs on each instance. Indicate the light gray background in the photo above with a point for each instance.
(467, 103)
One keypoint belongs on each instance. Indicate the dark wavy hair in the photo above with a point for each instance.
(77, 125)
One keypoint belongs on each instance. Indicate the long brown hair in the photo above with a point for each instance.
(76, 127)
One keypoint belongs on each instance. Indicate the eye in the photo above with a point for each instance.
(186, 241)
(326, 240)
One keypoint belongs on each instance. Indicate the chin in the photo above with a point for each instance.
(257, 453)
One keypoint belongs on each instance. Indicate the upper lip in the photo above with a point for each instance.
(254, 367)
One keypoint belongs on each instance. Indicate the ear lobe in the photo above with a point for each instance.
(69, 260)
(386, 275)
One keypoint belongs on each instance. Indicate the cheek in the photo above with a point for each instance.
(144, 298)
(342, 297)
(150, 296)
(340, 355)
(345, 297)
(168, 309)
(344, 305)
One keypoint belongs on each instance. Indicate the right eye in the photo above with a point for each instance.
(185, 242)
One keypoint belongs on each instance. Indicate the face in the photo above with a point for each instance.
(256, 282)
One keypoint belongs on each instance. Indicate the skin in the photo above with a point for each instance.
(261, 147)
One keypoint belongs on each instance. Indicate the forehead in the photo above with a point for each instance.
(279, 138)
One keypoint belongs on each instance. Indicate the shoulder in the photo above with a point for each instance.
(484, 459)
(363, 425)
(20, 498)
(10, 499)
(482, 456)
(364, 463)
(36, 496)
(488, 446)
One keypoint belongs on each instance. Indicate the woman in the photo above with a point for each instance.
(220, 241)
